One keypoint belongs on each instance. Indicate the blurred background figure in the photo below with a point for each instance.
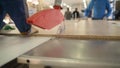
(76, 14)
(117, 15)
(68, 14)
(99, 8)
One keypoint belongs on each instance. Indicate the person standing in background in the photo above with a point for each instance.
(76, 14)
(68, 14)
(99, 8)
(18, 13)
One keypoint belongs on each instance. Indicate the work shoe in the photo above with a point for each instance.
(32, 31)
(7, 28)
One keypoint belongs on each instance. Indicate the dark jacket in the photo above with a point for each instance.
(76, 14)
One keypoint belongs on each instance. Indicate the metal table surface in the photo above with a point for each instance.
(13, 46)
(75, 53)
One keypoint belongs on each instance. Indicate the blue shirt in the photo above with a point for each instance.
(99, 9)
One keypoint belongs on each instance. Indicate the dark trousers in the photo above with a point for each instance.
(97, 18)
(17, 11)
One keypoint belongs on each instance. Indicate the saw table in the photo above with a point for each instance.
(81, 44)
(72, 53)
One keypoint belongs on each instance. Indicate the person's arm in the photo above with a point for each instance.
(109, 9)
(65, 15)
(70, 14)
(78, 14)
(89, 8)
(73, 15)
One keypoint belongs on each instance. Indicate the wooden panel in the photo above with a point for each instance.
(83, 29)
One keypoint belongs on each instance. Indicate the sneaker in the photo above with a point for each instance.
(7, 28)
(32, 31)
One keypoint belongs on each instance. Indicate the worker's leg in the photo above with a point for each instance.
(16, 10)
(2, 15)
(26, 7)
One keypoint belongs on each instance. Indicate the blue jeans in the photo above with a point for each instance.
(17, 11)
